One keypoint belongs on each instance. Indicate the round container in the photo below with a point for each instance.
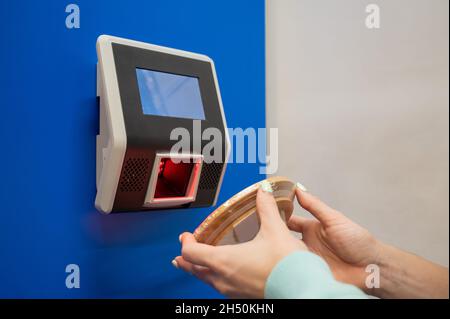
(236, 220)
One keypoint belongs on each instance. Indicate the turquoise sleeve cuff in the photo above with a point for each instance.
(303, 274)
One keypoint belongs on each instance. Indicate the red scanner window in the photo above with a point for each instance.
(173, 179)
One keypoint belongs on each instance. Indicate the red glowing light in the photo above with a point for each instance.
(174, 178)
(161, 165)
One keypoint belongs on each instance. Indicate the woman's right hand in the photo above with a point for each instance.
(347, 247)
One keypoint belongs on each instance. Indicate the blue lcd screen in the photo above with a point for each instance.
(172, 95)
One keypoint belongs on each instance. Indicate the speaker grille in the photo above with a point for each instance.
(209, 179)
(134, 175)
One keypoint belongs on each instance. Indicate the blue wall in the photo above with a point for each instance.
(48, 125)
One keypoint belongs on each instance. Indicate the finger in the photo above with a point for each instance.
(182, 264)
(267, 208)
(317, 208)
(298, 224)
(201, 272)
(191, 268)
(197, 253)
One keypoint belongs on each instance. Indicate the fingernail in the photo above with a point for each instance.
(266, 187)
(301, 187)
(179, 238)
(175, 264)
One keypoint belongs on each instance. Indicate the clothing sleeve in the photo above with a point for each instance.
(303, 274)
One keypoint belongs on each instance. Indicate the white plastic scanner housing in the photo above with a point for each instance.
(146, 91)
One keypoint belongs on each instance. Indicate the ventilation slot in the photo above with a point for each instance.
(210, 176)
(134, 175)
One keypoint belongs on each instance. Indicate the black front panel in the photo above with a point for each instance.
(133, 181)
(149, 134)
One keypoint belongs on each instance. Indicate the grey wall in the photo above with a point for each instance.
(363, 114)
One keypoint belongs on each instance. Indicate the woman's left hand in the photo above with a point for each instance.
(241, 271)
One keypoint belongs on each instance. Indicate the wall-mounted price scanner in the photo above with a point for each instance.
(149, 95)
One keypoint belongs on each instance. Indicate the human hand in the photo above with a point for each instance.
(241, 271)
(347, 247)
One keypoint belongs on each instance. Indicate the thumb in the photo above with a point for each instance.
(267, 208)
(316, 207)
